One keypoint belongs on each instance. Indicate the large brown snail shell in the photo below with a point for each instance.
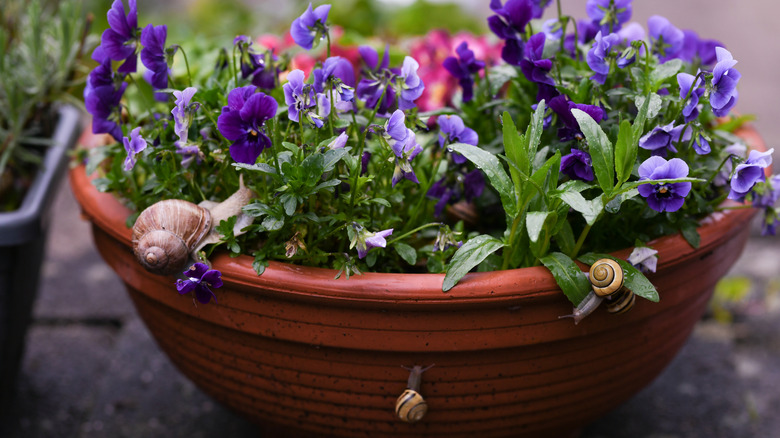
(165, 233)
(606, 277)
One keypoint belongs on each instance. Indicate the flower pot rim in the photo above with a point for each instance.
(107, 213)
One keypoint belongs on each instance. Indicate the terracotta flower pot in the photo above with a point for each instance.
(295, 349)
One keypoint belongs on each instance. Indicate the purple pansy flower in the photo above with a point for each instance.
(667, 39)
(134, 145)
(609, 14)
(189, 153)
(562, 106)
(309, 25)
(724, 92)
(262, 70)
(663, 138)
(153, 54)
(338, 142)
(200, 279)
(664, 196)
(732, 150)
(452, 130)
(375, 80)
(577, 165)
(412, 86)
(242, 122)
(768, 194)
(597, 57)
(701, 145)
(339, 72)
(183, 111)
(747, 174)
(300, 99)
(119, 41)
(455, 186)
(533, 65)
(509, 24)
(463, 69)
(707, 51)
(365, 240)
(405, 147)
(686, 82)
(644, 258)
(538, 6)
(102, 100)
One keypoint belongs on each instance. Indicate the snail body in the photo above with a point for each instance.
(411, 406)
(608, 283)
(169, 233)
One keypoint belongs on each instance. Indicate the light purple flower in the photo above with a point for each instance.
(701, 145)
(768, 194)
(366, 240)
(189, 153)
(644, 258)
(405, 147)
(183, 111)
(153, 54)
(200, 279)
(134, 145)
(463, 69)
(663, 138)
(667, 39)
(242, 122)
(732, 150)
(339, 142)
(609, 14)
(412, 86)
(453, 130)
(598, 56)
(686, 82)
(340, 73)
(664, 196)
(119, 42)
(533, 65)
(300, 99)
(577, 165)
(747, 174)
(309, 26)
(724, 92)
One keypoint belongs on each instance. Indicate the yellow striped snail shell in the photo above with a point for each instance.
(607, 280)
(411, 406)
(606, 277)
(621, 301)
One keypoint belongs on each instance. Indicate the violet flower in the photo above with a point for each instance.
(453, 130)
(509, 24)
(133, 146)
(767, 195)
(667, 39)
(538, 7)
(562, 106)
(119, 41)
(534, 67)
(733, 150)
(664, 196)
(463, 69)
(724, 92)
(577, 165)
(663, 138)
(200, 279)
(455, 186)
(609, 14)
(412, 86)
(375, 80)
(747, 174)
(264, 74)
(686, 82)
(405, 147)
(597, 57)
(365, 240)
(189, 153)
(102, 100)
(183, 111)
(644, 258)
(153, 54)
(300, 98)
(701, 145)
(339, 72)
(310, 25)
(339, 142)
(241, 122)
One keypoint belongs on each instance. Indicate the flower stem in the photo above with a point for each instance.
(511, 241)
(187, 64)
(409, 233)
(580, 241)
(361, 146)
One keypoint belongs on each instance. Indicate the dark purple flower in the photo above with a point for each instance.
(309, 26)
(455, 186)
(183, 111)
(102, 100)
(577, 165)
(667, 39)
(119, 41)
(509, 24)
(533, 65)
(412, 86)
(597, 57)
(686, 81)
(364, 162)
(452, 130)
(300, 99)
(153, 54)
(375, 80)
(663, 138)
(747, 174)
(771, 222)
(134, 145)
(724, 92)
(538, 6)
(463, 69)
(609, 14)
(664, 196)
(200, 279)
(707, 52)
(260, 68)
(562, 106)
(242, 122)
(690, 46)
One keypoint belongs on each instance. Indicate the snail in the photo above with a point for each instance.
(607, 281)
(411, 406)
(168, 233)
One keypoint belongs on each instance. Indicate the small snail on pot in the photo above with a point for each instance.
(411, 406)
(607, 281)
(169, 233)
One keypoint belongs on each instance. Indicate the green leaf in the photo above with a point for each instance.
(406, 252)
(668, 69)
(590, 210)
(516, 152)
(568, 275)
(625, 152)
(613, 206)
(643, 108)
(634, 184)
(653, 105)
(289, 202)
(271, 223)
(634, 279)
(565, 238)
(500, 75)
(496, 174)
(259, 263)
(291, 147)
(467, 257)
(535, 129)
(259, 167)
(534, 222)
(600, 150)
(332, 157)
(690, 233)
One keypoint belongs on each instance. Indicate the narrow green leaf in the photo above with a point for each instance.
(496, 174)
(634, 278)
(535, 129)
(634, 184)
(690, 233)
(643, 107)
(590, 210)
(516, 152)
(467, 257)
(259, 167)
(600, 150)
(406, 252)
(568, 275)
(534, 222)
(625, 152)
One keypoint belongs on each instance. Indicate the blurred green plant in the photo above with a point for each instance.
(40, 47)
(728, 292)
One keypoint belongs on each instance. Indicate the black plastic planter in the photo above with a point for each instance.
(22, 244)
